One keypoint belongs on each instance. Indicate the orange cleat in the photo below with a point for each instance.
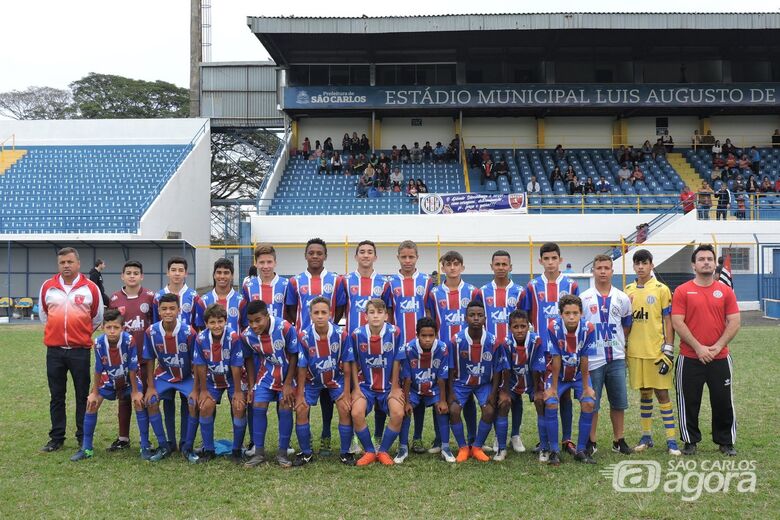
(385, 458)
(368, 458)
(478, 454)
(463, 454)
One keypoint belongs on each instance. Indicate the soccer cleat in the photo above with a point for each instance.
(355, 448)
(517, 444)
(51, 446)
(236, 457)
(146, 453)
(301, 459)
(250, 449)
(385, 458)
(417, 447)
(492, 447)
(537, 448)
(583, 457)
(118, 445)
(479, 454)
(672, 448)
(348, 459)
(366, 459)
(569, 447)
(191, 456)
(206, 456)
(554, 459)
(591, 448)
(620, 446)
(160, 454)
(325, 447)
(463, 454)
(544, 456)
(256, 459)
(81, 455)
(689, 448)
(436, 448)
(447, 455)
(500, 455)
(645, 443)
(400, 457)
(728, 449)
(283, 459)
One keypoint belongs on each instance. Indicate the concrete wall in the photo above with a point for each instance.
(641, 129)
(745, 131)
(500, 132)
(578, 132)
(399, 130)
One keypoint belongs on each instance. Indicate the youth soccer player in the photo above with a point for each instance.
(324, 364)
(609, 310)
(218, 359)
(169, 342)
(540, 301)
(378, 352)
(570, 340)
(224, 294)
(477, 366)
(274, 344)
(500, 297)
(267, 285)
(316, 281)
(425, 374)
(134, 302)
(116, 369)
(407, 298)
(447, 306)
(650, 349)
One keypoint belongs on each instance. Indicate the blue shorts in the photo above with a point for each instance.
(613, 376)
(108, 391)
(312, 394)
(375, 398)
(463, 392)
(266, 395)
(428, 401)
(167, 390)
(564, 386)
(216, 393)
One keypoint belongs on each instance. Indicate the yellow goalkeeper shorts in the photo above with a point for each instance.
(643, 373)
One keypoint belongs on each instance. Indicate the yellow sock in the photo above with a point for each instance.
(646, 411)
(667, 415)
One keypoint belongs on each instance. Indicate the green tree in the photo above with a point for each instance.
(105, 96)
(36, 103)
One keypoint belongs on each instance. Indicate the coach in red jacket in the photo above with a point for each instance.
(71, 308)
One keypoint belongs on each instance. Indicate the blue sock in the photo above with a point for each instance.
(192, 431)
(345, 436)
(457, 432)
(470, 418)
(436, 432)
(541, 425)
(442, 424)
(502, 425)
(419, 421)
(142, 418)
(551, 422)
(260, 420)
(239, 428)
(364, 436)
(379, 421)
(207, 433)
(157, 427)
(482, 432)
(285, 429)
(403, 437)
(388, 438)
(303, 432)
(517, 415)
(169, 410)
(184, 435)
(326, 408)
(586, 420)
(250, 412)
(566, 418)
(90, 421)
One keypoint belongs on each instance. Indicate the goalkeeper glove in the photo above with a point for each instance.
(666, 359)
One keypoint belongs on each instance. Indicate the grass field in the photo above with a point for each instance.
(37, 485)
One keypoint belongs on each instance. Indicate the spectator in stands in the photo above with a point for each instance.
(568, 269)
(306, 148)
(421, 186)
(716, 149)
(560, 153)
(383, 176)
(647, 151)
(624, 173)
(687, 199)
(365, 146)
(731, 166)
(370, 171)
(603, 186)
(755, 160)
(455, 145)
(384, 162)
(739, 184)
(395, 154)
(695, 140)
(633, 154)
(439, 153)
(776, 138)
(365, 183)
(744, 164)
(405, 157)
(317, 149)
(533, 186)
(705, 200)
(777, 185)
(619, 153)
(327, 147)
(637, 175)
(625, 156)
(427, 152)
(766, 185)
(346, 143)
(728, 147)
(715, 175)
(588, 187)
(575, 187)
(349, 165)
(708, 139)
(667, 141)
(485, 155)
(411, 190)
(556, 175)
(741, 212)
(452, 153)
(396, 179)
(659, 149)
(502, 168)
(723, 195)
(96, 277)
(752, 185)
(354, 144)
(475, 158)
(488, 173)
(360, 164)
(336, 163)
(718, 161)
(322, 165)
(416, 153)
(374, 161)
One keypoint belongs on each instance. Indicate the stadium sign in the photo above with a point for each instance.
(534, 96)
(436, 204)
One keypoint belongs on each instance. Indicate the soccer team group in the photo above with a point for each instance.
(408, 345)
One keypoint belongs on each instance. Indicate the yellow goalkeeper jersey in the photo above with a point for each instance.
(649, 304)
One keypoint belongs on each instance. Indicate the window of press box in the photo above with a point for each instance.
(415, 74)
(337, 75)
(740, 257)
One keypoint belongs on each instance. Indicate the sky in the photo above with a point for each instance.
(52, 43)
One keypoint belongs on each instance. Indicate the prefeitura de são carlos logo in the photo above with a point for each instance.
(688, 478)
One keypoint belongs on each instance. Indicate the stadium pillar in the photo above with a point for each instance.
(376, 132)
(704, 125)
(539, 132)
(196, 53)
(619, 132)
(294, 134)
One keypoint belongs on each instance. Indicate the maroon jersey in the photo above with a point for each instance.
(137, 311)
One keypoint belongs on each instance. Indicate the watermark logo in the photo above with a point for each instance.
(688, 478)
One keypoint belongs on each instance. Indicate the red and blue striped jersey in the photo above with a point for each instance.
(272, 352)
(233, 304)
(324, 356)
(474, 363)
(173, 353)
(523, 359)
(499, 303)
(375, 355)
(540, 300)
(407, 297)
(273, 294)
(448, 308)
(426, 368)
(305, 287)
(191, 306)
(218, 356)
(115, 363)
(571, 346)
(358, 290)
